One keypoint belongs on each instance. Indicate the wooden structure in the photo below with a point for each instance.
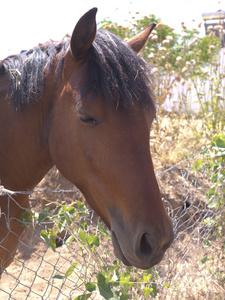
(215, 21)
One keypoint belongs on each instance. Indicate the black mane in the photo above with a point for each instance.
(26, 72)
(114, 71)
(117, 73)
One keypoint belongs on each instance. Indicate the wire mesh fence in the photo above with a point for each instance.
(60, 259)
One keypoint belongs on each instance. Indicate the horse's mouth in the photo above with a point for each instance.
(141, 264)
(117, 250)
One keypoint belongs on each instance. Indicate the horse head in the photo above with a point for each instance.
(99, 139)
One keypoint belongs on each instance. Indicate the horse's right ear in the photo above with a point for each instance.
(83, 35)
(138, 41)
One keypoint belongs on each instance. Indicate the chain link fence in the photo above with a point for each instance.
(66, 264)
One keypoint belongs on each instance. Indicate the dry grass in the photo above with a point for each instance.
(175, 138)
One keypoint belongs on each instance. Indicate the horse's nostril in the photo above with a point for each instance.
(146, 247)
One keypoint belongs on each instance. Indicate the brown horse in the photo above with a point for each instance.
(84, 105)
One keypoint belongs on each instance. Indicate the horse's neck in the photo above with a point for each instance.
(24, 152)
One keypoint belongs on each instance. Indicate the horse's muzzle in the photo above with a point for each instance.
(143, 252)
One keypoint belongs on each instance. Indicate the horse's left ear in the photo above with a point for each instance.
(83, 35)
(138, 41)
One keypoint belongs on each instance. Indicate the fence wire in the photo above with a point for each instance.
(193, 267)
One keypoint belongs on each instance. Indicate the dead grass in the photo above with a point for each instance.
(174, 138)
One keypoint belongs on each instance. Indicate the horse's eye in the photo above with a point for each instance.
(90, 121)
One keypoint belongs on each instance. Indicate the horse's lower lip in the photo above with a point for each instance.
(118, 252)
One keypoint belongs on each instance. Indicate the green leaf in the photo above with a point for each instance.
(26, 218)
(104, 287)
(49, 238)
(89, 240)
(52, 244)
(68, 218)
(103, 231)
(71, 210)
(82, 208)
(154, 290)
(93, 240)
(147, 291)
(125, 282)
(219, 141)
(198, 165)
(43, 215)
(71, 269)
(149, 271)
(44, 236)
(147, 277)
(21, 223)
(68, 272)
(125, 279)
(204, 260)
(64, 208)
(83, 297)
(83, 225)
(123, 296)
(90, 287)
(82, 236)
(58, 277)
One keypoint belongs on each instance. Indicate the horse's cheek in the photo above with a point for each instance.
(63, 145)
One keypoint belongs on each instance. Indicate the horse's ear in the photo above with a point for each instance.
(83, 35)
(138, 41)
